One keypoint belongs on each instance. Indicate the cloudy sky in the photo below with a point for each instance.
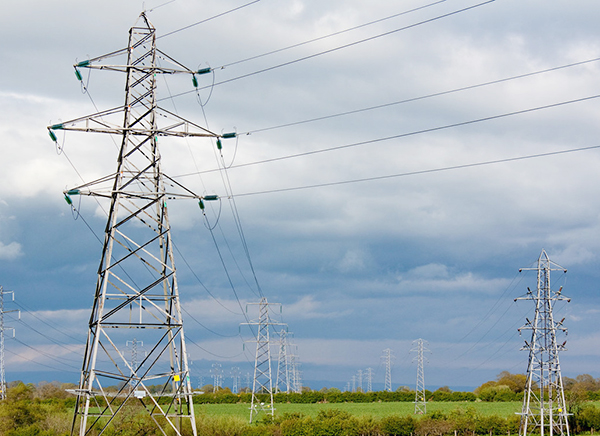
(397, 163)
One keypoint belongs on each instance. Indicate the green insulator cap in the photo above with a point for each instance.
(52, 135)
(201, 204)
(73, 192)
(204, 71)
(229, 135)
(57, 126)
(83, 63)
(219, 145)
(194, 81)
(68, 200)
(211, 197)
(78, 75)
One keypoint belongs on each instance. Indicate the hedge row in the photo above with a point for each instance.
(333, 397)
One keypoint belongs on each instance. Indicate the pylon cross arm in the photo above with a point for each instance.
(102, 122)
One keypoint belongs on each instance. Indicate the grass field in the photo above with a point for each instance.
(377, 410)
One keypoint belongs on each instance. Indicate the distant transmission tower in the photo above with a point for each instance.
(369, 379)
(3, 328)
(283, 383)
(420, 401)
(235, 376)
(387, 360)
(359, 378)
(217, 376)
(263, 379)
(134, 351)
(544, 409)
(136, 286)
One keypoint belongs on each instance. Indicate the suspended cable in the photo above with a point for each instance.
(433, 170)
(329, 35)
(54, 341)
(44, 354)
(332, 50)
(206, 328)
(401, 135)
(208, 19)
(27, 310)
(211, 353)
(41, 364)
(409, 100)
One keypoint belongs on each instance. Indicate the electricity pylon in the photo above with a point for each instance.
(235, 378)
(369, 379)
(136, 286)
(296, 376)
(217, 376)
(263, 379)
(3, 328)
(420, 400)
(283, 383)
(387, 360)
(544, 409)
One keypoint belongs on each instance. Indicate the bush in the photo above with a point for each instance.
(394, 425)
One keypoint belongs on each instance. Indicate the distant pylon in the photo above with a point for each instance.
(136, 286)
(284, 382)
(134, 352)
(359, 378)
(3, 328)
(296, 376)
(369, 379)
(420, 400)
(235, 376)
(263, 377)
(387, 360)
(544, 409)
(217, 376)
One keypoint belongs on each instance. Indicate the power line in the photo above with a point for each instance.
(314, 55)
(208, 19)
(328, 35)
(433, 170)
(398, 136)
(423, 97)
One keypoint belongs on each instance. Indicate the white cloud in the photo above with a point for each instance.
(11, 251)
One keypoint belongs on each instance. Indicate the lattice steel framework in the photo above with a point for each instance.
(284, 382)
(136, 286)
(387, 360)
(420, 400)
(3, 328)
(369, 375)
(263, 377)
(544, 409)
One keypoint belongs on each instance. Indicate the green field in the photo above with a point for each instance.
(377, 410)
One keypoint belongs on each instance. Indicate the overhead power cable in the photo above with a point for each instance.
(208, 19)
(332, 50)
(398, 136)
(423, 97)
(432, 170)
(320, 38)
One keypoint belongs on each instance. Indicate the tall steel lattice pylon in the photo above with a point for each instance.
(544, 410)
(387, 360)
(136, 286)
(263, 377)
(420, 400)
(3, 329)
(283, 383)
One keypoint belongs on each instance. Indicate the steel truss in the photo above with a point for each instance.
(544, 409)
(136, 286)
